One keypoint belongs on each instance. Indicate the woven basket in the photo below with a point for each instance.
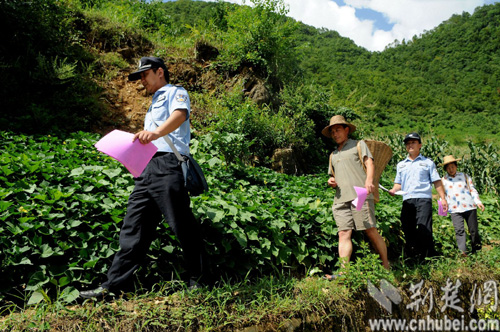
(381, 153)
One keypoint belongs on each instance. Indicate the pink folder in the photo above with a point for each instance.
(133, 155)
(441, 210)
(360, 200)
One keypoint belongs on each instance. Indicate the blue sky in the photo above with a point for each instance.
(381, 22)
(375, 24)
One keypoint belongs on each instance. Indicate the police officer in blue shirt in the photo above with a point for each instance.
(415, 176)
(159, 191)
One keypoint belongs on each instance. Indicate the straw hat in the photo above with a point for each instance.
(448, 160)
(337, 120)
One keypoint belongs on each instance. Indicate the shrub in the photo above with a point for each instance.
(62, 202)
(46, 61)
(263, 129)
(260, 37)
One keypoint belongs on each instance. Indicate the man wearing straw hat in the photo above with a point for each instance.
(415, 176)
(346, 172)
(463, 201)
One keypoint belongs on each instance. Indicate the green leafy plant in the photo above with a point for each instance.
(260, 37)
(368, 266)
(62, 202)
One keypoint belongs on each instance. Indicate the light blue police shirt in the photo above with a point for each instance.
(416, 177)
(165, 101)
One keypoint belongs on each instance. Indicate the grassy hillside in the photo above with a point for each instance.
(444, 83)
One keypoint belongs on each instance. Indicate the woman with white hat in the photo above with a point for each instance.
(463, 201)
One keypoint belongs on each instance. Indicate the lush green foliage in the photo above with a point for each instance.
(46, 84)
(243, 131)
(260, 37)
(61, 204)
(442, 83)
(266, 219)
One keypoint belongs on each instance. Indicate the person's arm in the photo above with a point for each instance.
(440, 189)
(173, 122)
(331, 181)
(395, 188)
(474, 193)
(370, 172)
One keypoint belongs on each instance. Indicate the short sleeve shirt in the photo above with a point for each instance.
(349, 171)
(165, 101)
(416, 177)
(458, 195)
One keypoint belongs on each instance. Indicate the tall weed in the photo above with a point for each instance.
(263, 130)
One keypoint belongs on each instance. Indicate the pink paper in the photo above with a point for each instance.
(360, 200)
(441, 211)
(133, 155)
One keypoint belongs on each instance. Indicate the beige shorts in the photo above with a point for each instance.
(347, 217)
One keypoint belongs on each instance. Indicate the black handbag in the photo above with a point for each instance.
(194, 179)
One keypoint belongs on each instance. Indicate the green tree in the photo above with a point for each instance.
(261, 38)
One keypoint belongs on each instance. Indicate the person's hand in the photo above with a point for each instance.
(481, 207)
(332, 183)
(395, 189)
(146, 136)
(369, 187)
(444, 203)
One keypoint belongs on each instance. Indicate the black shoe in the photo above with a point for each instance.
(97, 293)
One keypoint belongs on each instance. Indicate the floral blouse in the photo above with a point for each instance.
(458, 195)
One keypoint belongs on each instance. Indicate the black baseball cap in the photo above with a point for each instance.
(412, 136)
(146, 63)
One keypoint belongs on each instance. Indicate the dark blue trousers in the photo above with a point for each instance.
(158, 193)
(416, 221)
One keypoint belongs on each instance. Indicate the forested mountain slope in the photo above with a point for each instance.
(59, 61)
(446, 81)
